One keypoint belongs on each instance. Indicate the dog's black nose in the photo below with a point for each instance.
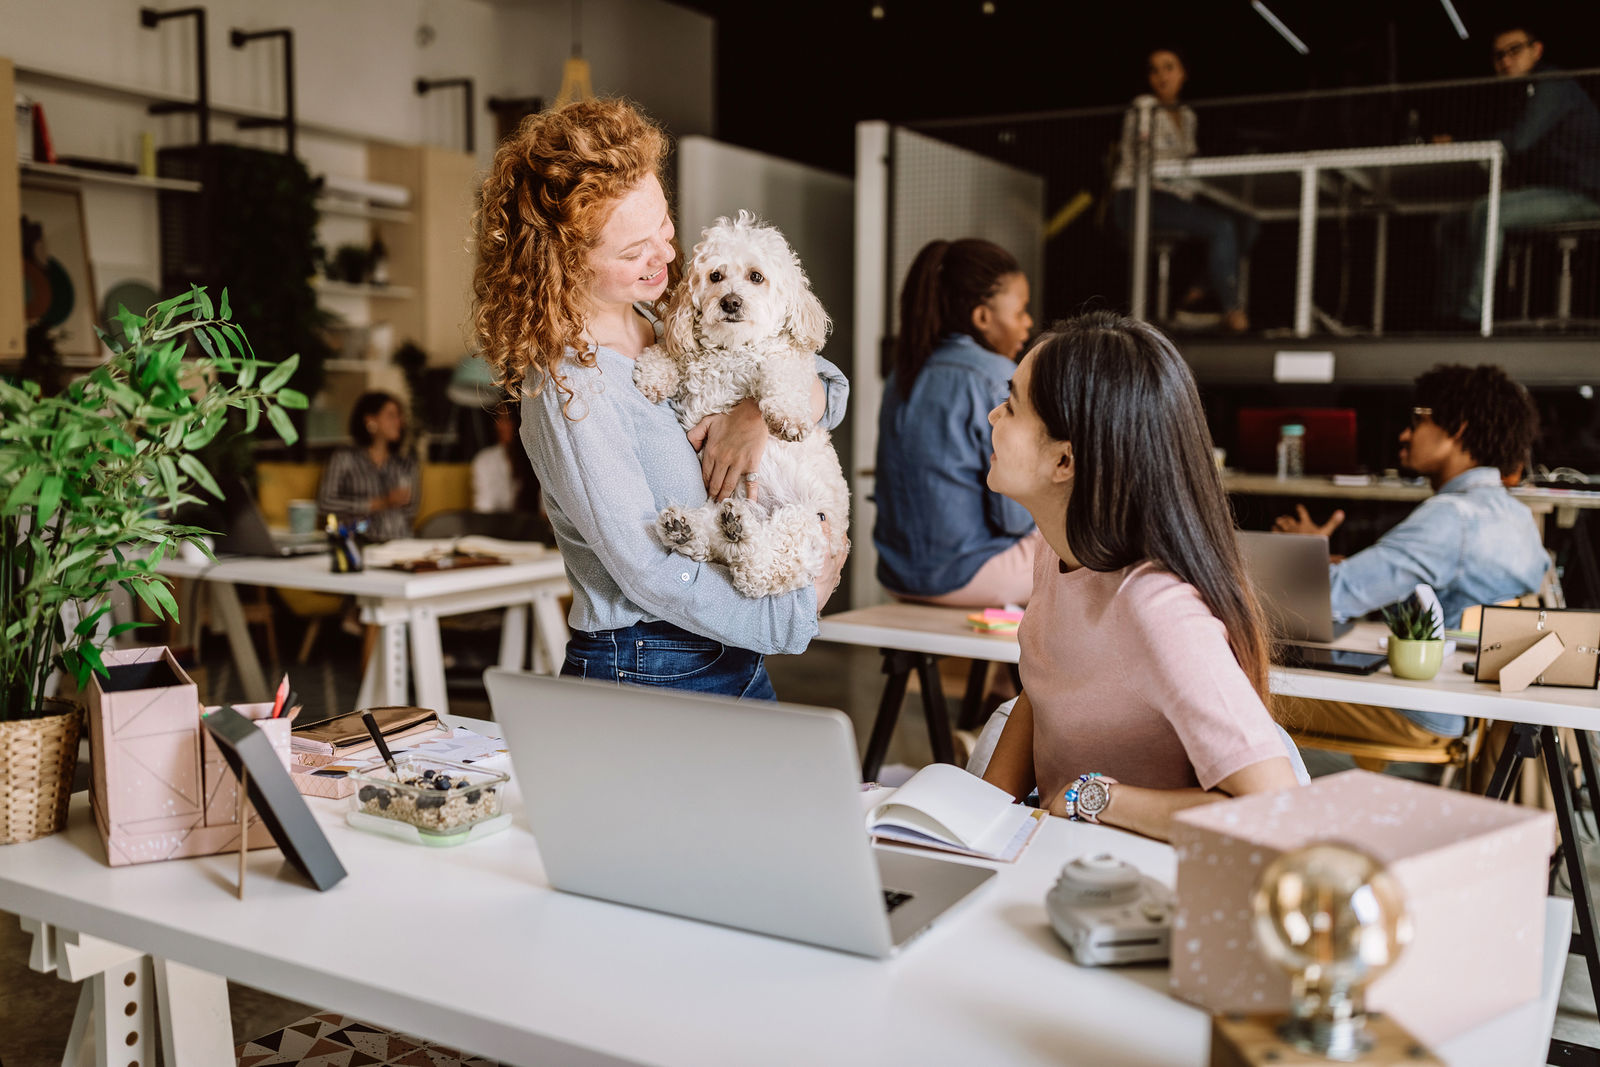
(731, 304)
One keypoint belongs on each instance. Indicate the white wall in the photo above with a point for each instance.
(356, 61)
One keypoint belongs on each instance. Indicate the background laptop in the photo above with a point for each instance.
(245, 531)
(1290, 576)
(746, 814)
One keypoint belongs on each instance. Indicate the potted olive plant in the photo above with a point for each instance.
(89, 482)
(1416, 644)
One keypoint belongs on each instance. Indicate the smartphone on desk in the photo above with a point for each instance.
(1343, 660)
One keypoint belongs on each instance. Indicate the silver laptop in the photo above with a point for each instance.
(745, 814)
(1290, 576)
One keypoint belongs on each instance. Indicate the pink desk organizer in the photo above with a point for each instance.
(161, 789)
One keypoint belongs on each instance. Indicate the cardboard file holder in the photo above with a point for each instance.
(1519, 647)
(160, 789)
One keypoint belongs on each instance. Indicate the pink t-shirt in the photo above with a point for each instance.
(1131, 675)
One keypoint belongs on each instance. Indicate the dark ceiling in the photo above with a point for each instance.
(794, 78)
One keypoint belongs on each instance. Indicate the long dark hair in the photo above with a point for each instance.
(946, 281)
(1145, 485)
(366, 406)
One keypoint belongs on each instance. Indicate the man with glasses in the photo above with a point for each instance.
(1552, 171)
(1472, 542)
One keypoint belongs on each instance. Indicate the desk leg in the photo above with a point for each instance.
(936, 710)
(116, 1005)
(1584, 942)
(972, 701)
(1305, 262)
(514, 637)
(1522, 744)
(549, 633)
(427, 661)
(897, 665)
(384, 681)
(196, 1023)
(225, 601)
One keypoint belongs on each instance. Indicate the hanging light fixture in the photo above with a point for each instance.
(575, 81)
(1283, 31)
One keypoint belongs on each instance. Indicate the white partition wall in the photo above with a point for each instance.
(813, 209)
(912, 189)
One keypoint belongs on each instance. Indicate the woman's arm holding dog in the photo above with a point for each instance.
(731, 444)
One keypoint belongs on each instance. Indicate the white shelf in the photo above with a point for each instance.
(331, 205)
(390, 292)
(55, 173)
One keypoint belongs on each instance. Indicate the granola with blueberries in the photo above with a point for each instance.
(432, 800)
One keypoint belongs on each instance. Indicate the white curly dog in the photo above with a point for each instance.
(744, 323)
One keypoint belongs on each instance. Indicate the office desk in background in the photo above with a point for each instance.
(469, 946)
(1387, 179)
(1563, 503)
(406, 608)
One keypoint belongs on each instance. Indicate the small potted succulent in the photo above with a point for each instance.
(1416, 643)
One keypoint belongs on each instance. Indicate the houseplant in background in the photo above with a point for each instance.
(1416, 643)
(89, 481)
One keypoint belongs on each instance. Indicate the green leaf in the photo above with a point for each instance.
(224, 312)
(279, 375)
(169, 475)
(293, 398)
(91, 655)
(247, 373)
(24, 491)
(86, 625)
(203, 434)
(280, 422)
(123, 627)
(197, 470)
(159, 590)
(205, 342)
(49, 497)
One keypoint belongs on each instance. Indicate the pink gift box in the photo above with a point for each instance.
(1473, 871)
(161, 790)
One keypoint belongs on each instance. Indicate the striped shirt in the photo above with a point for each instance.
(351, 481)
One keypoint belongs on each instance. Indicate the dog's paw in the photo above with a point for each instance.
(788, 429)
(731, 521)
(674, 528)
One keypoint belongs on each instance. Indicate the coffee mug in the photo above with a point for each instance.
(302, 516)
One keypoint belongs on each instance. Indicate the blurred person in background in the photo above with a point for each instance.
(1173, 206)
(1552, 172)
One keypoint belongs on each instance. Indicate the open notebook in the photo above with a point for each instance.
(943, 807)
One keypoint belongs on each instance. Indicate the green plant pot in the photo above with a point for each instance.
(1416, 660)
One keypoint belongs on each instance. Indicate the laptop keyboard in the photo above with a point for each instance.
(893, 898)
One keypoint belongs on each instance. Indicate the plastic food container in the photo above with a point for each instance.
(435, 796)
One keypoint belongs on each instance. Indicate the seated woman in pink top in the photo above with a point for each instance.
(1144, 661)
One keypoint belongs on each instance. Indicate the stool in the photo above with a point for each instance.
(1568, 237)
(1162, 242)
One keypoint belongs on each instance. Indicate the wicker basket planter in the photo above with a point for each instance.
(37, 760)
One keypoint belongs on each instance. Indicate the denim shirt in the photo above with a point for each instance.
(938, 522)
(1472, 541)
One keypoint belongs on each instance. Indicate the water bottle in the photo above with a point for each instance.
(1291, 450)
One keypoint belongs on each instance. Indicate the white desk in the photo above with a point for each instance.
(403, 606)
(1367, 169)
(470, 947)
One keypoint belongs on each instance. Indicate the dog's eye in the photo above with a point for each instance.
(714, 276)
(755, 276)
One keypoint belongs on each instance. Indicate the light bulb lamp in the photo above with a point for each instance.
(428, 85)
(240, 38)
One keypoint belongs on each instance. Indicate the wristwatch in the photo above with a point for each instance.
(1088, 797)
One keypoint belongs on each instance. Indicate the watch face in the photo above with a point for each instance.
(1093, 796)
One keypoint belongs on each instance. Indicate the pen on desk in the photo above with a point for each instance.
(377, 736)
(288, 703)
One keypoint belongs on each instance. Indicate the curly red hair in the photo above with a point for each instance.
(551, 188)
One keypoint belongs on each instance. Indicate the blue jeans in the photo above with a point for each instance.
(665, 656)
(1460, 237)
(1227, 236)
